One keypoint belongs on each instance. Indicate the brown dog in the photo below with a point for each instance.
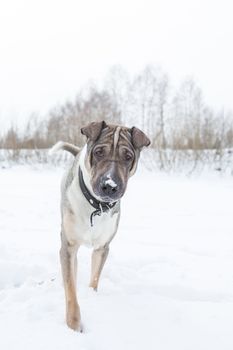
(90, 204)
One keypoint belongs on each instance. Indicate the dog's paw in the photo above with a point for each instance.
(75, 324)
(73, 320)
(93, 287)
(94, 284)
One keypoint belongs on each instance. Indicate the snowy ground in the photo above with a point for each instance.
(168, 283)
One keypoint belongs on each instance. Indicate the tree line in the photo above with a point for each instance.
(174, 119)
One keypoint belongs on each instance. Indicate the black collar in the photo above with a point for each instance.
(101, 207)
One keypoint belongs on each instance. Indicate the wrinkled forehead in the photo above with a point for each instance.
(116, 136)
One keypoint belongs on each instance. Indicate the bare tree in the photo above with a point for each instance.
(175, 119)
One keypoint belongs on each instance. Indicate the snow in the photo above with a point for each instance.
(167, 284)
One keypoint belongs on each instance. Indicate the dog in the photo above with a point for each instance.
(91, 191)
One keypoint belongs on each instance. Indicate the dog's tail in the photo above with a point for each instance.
(69, 147)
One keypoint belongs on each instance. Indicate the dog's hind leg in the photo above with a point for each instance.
(68, 257)
(99, 257)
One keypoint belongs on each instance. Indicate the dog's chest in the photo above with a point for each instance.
(102, 231)
(104, 226)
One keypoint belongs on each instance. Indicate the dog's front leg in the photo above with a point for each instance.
(99, 257)
(68, 257)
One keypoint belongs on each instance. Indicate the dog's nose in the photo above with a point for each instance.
(109, 189)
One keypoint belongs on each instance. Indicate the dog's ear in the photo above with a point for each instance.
(139, 139)
(92, 131)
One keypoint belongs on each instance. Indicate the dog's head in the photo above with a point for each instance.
(111, 157)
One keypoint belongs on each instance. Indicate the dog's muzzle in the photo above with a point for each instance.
(100, 207)
(110, 189)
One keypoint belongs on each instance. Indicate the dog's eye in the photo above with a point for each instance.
(99, 152)
(128, 156)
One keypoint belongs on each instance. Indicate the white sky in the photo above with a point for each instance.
(50, 48)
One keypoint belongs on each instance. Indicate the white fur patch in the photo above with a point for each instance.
(110, 181)
(101, 232)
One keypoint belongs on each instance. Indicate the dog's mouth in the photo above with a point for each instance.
(111, 198)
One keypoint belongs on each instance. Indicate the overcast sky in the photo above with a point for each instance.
(50, 48)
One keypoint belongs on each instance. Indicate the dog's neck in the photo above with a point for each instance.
(86, 175)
